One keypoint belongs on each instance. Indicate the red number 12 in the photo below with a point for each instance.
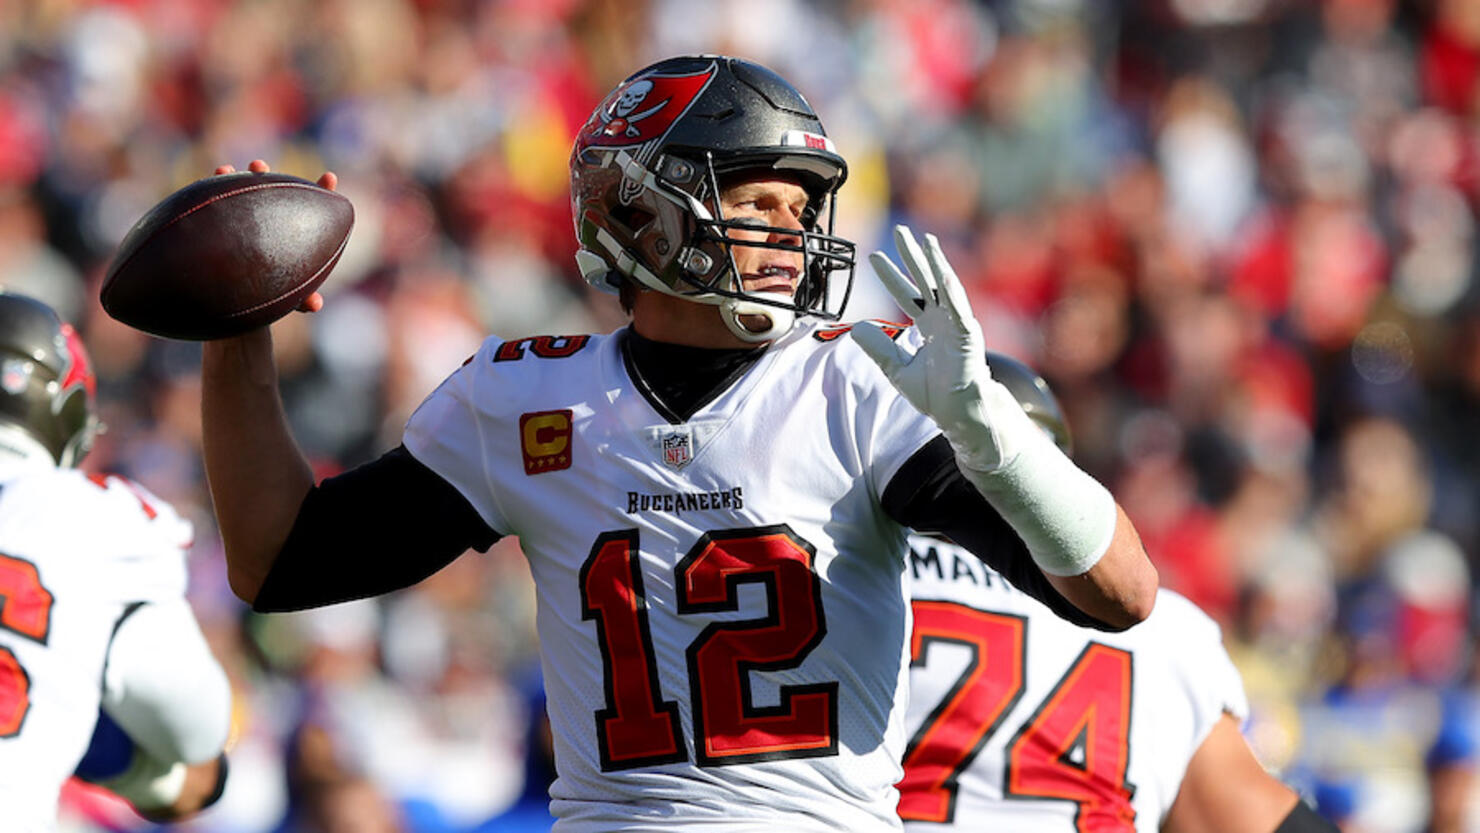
(638, 727)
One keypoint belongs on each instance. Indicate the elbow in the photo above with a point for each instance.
(1138, 607)
(1131, 583)
(1119, 621)
(248, 563)
(244, 584)
(1136, 600)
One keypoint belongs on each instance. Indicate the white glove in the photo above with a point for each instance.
(1066, 518)
(947, 379)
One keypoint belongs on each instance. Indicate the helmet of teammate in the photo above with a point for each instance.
(647, 168)
(1033, 394)
(47, 386)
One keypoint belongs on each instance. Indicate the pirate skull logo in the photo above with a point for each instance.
(622, 119)
(633, 96)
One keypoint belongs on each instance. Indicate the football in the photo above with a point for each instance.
(226, 254)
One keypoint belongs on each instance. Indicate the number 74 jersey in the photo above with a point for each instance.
(1021, 721)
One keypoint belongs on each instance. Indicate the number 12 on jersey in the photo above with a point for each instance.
(638, 727)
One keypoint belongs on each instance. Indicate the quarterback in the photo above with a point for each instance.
(92, 588)
(714, 499)
(1019, 720)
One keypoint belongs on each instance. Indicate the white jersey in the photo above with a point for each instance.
(1020, 721)
(76, 552)
(721, 603)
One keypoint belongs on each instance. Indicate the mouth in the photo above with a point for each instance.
(774, 277)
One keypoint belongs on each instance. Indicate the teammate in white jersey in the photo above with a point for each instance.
(1021, 721)
(94, 626)
(714, 499)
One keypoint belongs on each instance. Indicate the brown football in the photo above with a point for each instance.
(226, 254)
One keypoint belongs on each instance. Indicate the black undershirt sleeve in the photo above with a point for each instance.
(379, 527)
(1303, 819)
(929, 494)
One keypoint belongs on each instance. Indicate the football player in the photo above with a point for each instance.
(713, 500)
(1021, 721)
(99, 650)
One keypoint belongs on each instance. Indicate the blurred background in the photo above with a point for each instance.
(1237, 236)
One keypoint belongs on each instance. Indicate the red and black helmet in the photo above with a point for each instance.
(47, 387)
(646, 172)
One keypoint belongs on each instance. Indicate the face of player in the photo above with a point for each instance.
(767, 200)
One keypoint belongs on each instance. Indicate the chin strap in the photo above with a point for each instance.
(779, 321)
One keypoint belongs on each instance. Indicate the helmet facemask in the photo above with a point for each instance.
(685, 205)
(708, 267)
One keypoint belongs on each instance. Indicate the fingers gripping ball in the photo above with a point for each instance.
(226, 254)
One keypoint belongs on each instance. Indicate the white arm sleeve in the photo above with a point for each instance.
(163, 686)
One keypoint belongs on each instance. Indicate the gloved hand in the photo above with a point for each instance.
(1065, 517)
(947, 379)
(126, 769)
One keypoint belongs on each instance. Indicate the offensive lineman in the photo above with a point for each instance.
(93, 613)
(713, 500)
(1021, 721)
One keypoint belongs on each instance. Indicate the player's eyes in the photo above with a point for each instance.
(756, 212)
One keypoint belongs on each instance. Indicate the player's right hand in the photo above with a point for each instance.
(328, 180)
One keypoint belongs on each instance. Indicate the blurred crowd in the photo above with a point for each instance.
(1237, 236)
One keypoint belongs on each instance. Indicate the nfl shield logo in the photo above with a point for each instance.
(14, 375)
(676, 450)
